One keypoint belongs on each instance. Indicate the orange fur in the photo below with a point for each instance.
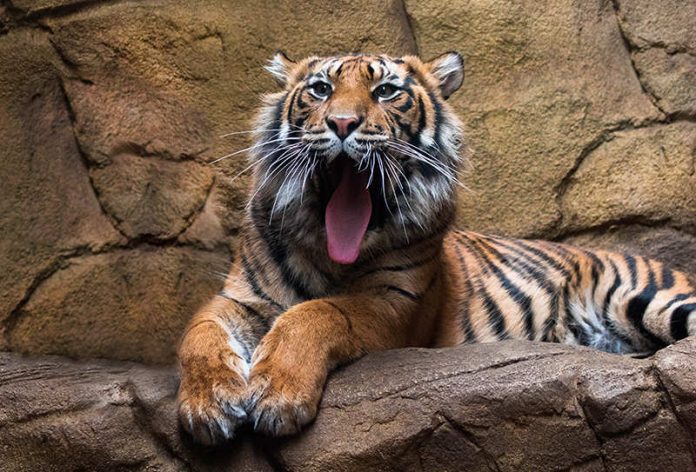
(262, 349)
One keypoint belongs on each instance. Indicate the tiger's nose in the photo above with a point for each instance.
(343, 125)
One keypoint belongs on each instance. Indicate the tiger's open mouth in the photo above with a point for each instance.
(352, 204)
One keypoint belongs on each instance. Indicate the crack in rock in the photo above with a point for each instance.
(669, 402)
(630, 48)
(409, 21)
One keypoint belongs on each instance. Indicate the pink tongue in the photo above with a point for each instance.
(347, 216)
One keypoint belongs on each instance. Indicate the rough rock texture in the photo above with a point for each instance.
(581, 116)
(511, 406)
(656, 183)
(151, 197)
(115, 307)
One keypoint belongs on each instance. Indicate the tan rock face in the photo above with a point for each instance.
(149, 196)
(48, 209)
(665, 24)
(656, 183)
(670, 77)
(508, 406)
(543, 81)
(581, 117)
(127, 304)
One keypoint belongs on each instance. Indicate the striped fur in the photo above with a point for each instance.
(261, 350)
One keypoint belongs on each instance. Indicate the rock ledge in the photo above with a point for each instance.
(506, 406)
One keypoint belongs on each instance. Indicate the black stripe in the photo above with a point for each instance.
(679, 298)
(421, 118)
(467, 241)
(560, 250)
(248, 308)
(278, 252)
(406, 106)
(595, 271)
(610, 293)
(405, 127)
(538, 276)
(631, 262)
(274, 125)
(437, 106)
(399, 268)
(523, 246)
(596, 261)
(521, 263)
(339, 70)
(261, 275)
(251, 312)
(496, 320)
(667, 278)
(608, 322)
(678, 324)
(253, 282)
(552, 320)
(400, 291)
(523, 301)
(408, 90)
(301, 103)
(463, 307)
(635, 311)
(495, 316)
(292, 103)
(299, 123)
(411, 295)
(579, 333)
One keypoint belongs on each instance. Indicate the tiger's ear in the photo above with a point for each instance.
(449, 70)
(280, 67)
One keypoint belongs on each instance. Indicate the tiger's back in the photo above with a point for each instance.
(537, 290)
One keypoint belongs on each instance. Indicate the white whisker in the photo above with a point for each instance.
(253, 147)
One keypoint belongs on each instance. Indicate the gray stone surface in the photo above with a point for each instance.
(511, 406)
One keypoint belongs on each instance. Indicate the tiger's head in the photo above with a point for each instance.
(358, 151)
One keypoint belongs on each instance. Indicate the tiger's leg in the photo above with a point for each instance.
(291, 364)
(645, 304)
(214, 359)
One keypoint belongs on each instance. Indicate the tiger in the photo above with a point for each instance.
(348, 247)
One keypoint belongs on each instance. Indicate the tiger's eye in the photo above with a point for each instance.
(320, 89)
(386, 91)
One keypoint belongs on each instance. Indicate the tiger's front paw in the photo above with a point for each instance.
(210, 400)
(282, 398)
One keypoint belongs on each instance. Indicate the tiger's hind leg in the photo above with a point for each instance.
(629, 304)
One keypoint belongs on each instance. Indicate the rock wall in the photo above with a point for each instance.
(115, 223)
